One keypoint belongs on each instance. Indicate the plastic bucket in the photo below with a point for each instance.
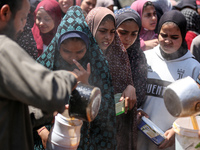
(65, 134)
(186, 137)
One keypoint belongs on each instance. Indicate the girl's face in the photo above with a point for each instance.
(105, 34)
(149, 18)
(44, 21)
(72, 49)
(87, 5)
(65, 4)
(128, 32)
(170, 38)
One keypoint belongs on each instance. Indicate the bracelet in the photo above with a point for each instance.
(41, 130)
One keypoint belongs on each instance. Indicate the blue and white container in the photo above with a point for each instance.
(153, 132)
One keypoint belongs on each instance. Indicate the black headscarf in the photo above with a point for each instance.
(178, 18)
(186, 3)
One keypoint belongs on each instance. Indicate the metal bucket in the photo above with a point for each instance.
(85, 102)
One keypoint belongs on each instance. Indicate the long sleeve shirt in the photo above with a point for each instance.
(25, 82)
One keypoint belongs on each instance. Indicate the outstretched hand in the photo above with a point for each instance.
(82, 74)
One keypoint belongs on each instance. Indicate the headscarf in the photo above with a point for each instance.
(138, 6)
(174, 16)
(121, 77)
(26, 40)
(178, 18)
(101, 132)
(144, 33)
(136, 56)
(53, 9)
(138, 67)
(116, 54)
(126, 14)
(186, 3)
(192, 18)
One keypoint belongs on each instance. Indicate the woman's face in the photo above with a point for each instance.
(149, 18)
(128, 32)
(44, 21)
(88, 5)
(170, 38)
(72, 49)
(105, 34)
(65, 4)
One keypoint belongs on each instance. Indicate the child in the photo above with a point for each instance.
(147, 12)
(167, 62)
(101, 22)
(47, 18)
(128, 25)
(101, 132)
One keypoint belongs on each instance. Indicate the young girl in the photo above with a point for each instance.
(101, 132)
(87, 5)
(101, 22)
(47, 18)
(147, 12)
(167, 62)
(65, 5)
(128, 26)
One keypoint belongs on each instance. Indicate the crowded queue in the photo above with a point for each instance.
(48, 47)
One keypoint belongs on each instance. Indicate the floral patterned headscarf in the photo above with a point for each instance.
(100, 133)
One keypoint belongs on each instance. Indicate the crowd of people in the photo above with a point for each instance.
(137, 50)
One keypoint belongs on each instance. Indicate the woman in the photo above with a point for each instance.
(100, 133)
(128, 26)
(167, 62)
(47, 18)
(147, 12)
(101, 22)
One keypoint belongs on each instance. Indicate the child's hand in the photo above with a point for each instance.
(151, 44)
(140, 114)
(82, 74)
(170, 139)
(130, 97)
(43, 133)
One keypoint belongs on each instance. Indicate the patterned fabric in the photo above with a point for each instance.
(100, 133)
(136, 56)
(27, 42)
(193, 19)
(121, 77)
(186, 3)
(116, 54)
(138, 67)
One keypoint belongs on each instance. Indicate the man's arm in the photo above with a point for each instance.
(27, 81)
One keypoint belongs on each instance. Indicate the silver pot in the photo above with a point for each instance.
(182, 98)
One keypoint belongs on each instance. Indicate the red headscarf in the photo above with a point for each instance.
(53, 9)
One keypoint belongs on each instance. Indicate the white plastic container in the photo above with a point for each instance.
(65, 134)
(186, 137)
